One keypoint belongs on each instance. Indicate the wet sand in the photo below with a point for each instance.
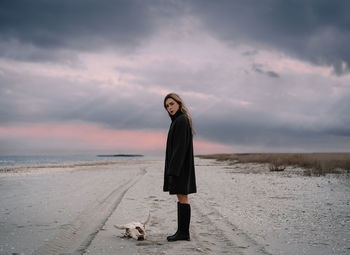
(239, 209)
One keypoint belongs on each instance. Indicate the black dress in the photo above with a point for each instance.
(179, 174)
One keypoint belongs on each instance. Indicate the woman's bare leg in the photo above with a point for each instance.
(183, 199)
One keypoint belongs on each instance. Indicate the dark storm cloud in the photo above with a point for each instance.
(316, 30)
(259, 69)
(250, 53)
(79, 25)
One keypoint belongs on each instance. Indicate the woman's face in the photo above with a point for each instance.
(171, 106)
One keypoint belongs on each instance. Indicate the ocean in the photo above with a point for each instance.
(58, 159)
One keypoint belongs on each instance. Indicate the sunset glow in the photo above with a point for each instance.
(99, 138)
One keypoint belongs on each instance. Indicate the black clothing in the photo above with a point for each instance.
(179, 175)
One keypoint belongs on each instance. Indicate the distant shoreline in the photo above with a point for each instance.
(121, 155)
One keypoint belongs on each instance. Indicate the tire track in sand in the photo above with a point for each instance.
(76, 237)
(218, 235)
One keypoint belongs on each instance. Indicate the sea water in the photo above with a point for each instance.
(57, 159)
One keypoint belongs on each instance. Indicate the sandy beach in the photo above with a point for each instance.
(239, 209)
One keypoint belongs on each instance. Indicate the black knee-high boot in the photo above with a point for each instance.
(184, 217)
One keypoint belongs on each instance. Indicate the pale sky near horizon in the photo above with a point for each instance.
(257, 76)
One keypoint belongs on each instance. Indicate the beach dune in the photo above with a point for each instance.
(239, 209)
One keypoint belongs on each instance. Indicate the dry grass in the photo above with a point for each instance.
(313, 163)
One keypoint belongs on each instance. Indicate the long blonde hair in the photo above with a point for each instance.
(182, 108)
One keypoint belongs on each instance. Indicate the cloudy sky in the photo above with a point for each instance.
(89, 76)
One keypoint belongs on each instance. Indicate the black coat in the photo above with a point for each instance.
(179, 175)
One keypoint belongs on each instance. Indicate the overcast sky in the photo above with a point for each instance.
(90, 76)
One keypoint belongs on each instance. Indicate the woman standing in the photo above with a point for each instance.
(179, 175)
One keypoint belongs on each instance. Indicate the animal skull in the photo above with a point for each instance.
(136, 230)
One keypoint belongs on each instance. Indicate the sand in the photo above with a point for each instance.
(239, 209)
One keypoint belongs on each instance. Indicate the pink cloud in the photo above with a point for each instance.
(280, 63)
(98, 137)
(91, 135)
(203, 147)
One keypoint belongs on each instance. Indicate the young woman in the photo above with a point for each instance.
(179, 174)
